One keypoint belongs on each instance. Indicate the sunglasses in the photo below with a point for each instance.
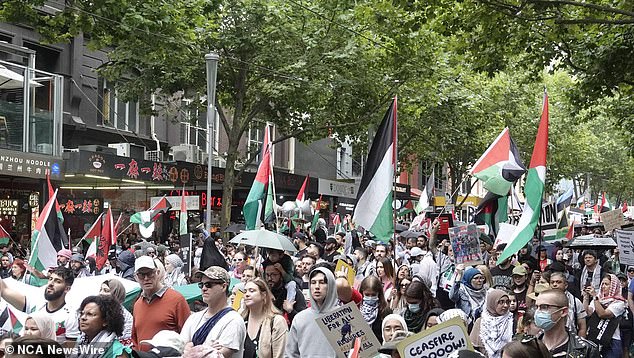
(209, 284)
(238, 260)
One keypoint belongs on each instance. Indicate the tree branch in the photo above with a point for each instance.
(222, 116)
(588, 21)
(586, 5)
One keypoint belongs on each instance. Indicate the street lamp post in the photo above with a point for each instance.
(211, 60)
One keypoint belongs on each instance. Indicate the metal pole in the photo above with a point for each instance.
(211, 59)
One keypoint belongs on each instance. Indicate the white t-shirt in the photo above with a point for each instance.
(230, 331)
(66, 319)
(618, 309)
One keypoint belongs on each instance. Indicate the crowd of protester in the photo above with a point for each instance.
(545, 301)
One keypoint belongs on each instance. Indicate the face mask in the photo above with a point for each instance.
(371, 300)
(544, 320)
(413, 307)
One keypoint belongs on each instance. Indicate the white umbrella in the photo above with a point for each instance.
(264, 238)
(12, 80)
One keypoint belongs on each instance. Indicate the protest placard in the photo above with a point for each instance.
(625, 240)
(465, 241)
(347, 269)
(237, 300)
(438, 341)
(342, 326)
(612, 219)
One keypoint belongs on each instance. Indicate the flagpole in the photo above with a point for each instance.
(395, 158)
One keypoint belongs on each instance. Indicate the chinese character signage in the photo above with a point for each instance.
(81, 206)
(30, 165)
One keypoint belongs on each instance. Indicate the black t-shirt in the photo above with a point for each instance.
(502, 279)
(560, 351)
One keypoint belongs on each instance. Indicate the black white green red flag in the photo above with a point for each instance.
(374, 200)
(533, 189)
(254, 203)
(46, 239)
(500, 165)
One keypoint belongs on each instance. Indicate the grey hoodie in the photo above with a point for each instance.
(305, 339)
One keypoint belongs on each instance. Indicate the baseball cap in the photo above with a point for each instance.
(539, 288)
(215, 273)
(144, 262)
(166, 340)
(520, 270)
(415, 252)
(331, 240)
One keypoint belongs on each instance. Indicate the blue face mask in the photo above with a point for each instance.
(413, 307)
(371, 300)
(544, 320)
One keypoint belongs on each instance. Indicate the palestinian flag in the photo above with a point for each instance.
(163, 205)
(301, 196)
(58, 211)
(374, 200)
(270, 206)
(313, 225)
(4, 236)
(406, 209)
(105, 240)
(10, 320)
(426, 196)
(91, 237)
(46, 241)
(146, 218)
(336, 222)
(564, 200)
(533, 190)
(182, 227)
(562, 226)
(500, 165)
(603, 204)
(254, 203)
(492, 211)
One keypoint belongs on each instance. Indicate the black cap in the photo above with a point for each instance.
(331, 240)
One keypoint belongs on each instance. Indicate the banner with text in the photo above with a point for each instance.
(625, 240)
(438, 341)
(342, 326)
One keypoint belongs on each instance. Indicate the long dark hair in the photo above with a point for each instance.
(374, 283)
(529, 347)
(419, 291)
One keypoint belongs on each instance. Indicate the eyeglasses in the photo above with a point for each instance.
(547, 307)
(209, 284)
(504, 302)
(478, 278)
(238, 259)
(148, 274)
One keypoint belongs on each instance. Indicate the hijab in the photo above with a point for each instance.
(476, 297)
(614, 294)
(45, 324)
(434, 312)
(495, 330)
(392, 317)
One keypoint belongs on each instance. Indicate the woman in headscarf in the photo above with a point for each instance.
(468, 291)
(419, 301)
(115, 289)
(607, 304)
(494, 329)
(39, 324)
(173, 275)
(373, 306)
(392, 324)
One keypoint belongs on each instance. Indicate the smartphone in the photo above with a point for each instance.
(589, 280)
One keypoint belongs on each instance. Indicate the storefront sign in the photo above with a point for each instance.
(81, 206)
(192, 202)
(30, 165)
(9, 206)
(216, 199)
(337, 188)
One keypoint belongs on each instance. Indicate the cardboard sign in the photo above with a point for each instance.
(625, 241)
(342, 326)
(438, 341)
(349, 271)
(465, 241)
(612, 219)
(237, 300)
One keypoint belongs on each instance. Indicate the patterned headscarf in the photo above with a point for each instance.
(614, 294)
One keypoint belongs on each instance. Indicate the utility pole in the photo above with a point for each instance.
(211, 60)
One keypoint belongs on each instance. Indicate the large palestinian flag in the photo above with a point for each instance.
(500, 165)
(492, 211)
(46, 240)
(255, 200)
(374, 200)
(4, 236)
(533, 190)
